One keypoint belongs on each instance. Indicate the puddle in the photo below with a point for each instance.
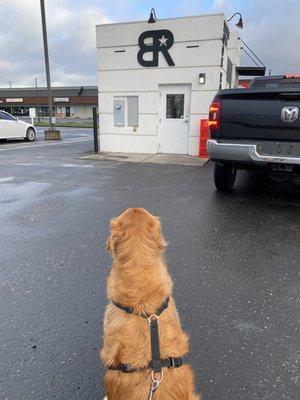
(7, 179)
(77, 166)
(17, 197)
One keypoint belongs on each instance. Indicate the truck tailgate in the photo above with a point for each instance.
(257, 114)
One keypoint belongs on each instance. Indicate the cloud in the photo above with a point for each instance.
(271, 29)
(224, 6)
(71, 36)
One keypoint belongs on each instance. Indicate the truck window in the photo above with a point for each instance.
(275, 83)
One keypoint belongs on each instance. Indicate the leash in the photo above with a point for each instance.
(156, 364)
(153, 322)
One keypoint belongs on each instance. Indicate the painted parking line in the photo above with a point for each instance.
(33, 146)
(52, 164)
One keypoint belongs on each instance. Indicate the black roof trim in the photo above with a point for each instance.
(251, 71)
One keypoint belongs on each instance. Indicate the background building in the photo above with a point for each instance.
(73, 101)
(245, 83)
(157, 81)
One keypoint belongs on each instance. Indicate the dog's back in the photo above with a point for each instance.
(139, 282)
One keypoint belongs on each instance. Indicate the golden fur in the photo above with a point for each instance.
(139, 279)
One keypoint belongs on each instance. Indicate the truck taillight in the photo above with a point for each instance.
(214, 115)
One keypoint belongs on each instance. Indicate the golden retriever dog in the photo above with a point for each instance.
(139, 280)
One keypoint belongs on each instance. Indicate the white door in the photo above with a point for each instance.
(9, 126)
(174, 115)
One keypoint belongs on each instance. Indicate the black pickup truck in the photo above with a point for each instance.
(256, 128)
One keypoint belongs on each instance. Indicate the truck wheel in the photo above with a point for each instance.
(224, 176)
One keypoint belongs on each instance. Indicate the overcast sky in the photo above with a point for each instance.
(271, 29)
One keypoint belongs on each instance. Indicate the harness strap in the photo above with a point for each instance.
(155, 350)
(156, 364)
(171, 362)
(130, 310)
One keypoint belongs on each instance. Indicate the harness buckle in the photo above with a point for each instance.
(152, 318)
(125, 368)
(172, 362)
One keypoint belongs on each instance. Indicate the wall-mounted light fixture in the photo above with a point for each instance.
(240, 23)
(202, 77)
(152, 19)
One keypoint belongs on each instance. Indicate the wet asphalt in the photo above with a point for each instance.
(234, 259)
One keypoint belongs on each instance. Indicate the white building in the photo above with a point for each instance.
(156, 81)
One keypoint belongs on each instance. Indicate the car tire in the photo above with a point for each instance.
(224, 176)
(30, 135)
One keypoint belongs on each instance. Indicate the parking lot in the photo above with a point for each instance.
(234, 259)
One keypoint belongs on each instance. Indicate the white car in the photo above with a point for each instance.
(13, 128)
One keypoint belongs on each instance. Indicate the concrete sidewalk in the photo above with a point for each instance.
(175, 159)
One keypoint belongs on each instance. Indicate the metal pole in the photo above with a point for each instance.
(95, 126)
(37, 99)
(47, 62)
(252, 52)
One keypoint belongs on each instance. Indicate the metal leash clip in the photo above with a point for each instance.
(152, 318)
(155, 383)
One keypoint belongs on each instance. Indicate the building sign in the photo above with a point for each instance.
(32, 112)
(16, 100)
(61, 99)
(162, 41)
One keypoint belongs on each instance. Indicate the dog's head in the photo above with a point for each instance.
(135, 230)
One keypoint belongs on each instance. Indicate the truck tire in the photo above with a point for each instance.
(224, 176)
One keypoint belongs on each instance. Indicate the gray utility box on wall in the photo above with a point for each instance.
(133, 111)
(119, 112)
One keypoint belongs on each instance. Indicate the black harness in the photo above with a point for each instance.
(130, 310)
(156, 364)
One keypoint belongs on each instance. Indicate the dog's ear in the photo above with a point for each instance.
(111, 242)
(158, 236)
(110, 245)
(161, 243)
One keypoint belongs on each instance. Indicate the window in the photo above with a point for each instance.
(21, 111)
(276, 83)
(61, 111)
(44, 111)
(6, 116)
(175, 106)
(7, 109)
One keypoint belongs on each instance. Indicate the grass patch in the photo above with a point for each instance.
(67, 124)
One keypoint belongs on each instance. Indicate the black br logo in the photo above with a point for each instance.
(162, 41)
